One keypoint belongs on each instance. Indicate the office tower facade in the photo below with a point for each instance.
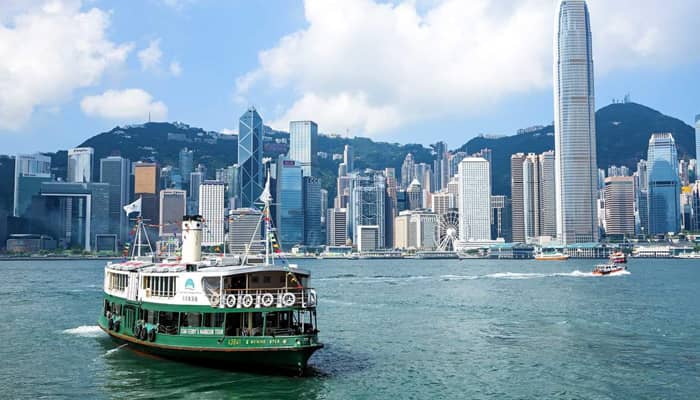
(454, 160)
(349, 158)
(250, 154)
(501, 218)
(697, 146)
(186, 164)
(302, 144)
(146, 187)
(417, 229)
(619, 205)
(7, 187)
(229, 176)
(75, 212)
(312, 211)
(407, 171)
(173, 206)
(80, 164)
(31, 170)
(414, 195)
(539, 203)
(474, 199)
(368, 238)
(517, 188)
(622, 170)
(196, 179)
(290, 204)
(440, 165)
(423, 173)
(367, 206)
(683, 172)
(116, 171)
(211, 208)
(244, 231)
(664, 185)
(574, 125)
(337, 227)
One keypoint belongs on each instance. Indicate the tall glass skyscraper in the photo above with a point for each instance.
(116, 172)
(574, 125)
(664, 186)
(697, 146)
(31, 170)
(80, 164)
(250, 154)
(186, 161)
(302, 143)
(290, 203)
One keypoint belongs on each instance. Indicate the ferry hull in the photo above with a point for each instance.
(283, 359)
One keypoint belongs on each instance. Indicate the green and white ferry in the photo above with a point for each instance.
(221, 311)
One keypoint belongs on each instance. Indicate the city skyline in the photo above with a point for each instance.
(153, 66)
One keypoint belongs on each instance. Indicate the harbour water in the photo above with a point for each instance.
(401, 329)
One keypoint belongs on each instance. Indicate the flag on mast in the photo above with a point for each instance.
(133, 207)
(265, 196)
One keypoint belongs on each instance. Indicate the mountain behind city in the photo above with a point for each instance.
(622, 135)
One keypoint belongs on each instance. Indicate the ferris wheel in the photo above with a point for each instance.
(448, 230)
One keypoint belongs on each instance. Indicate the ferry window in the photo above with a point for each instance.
(167, 322)
(161, 286)
(191, 319)
(267, 279)
(149, 316)
(255, 279)
(118, 281)
(213, 320)
(106, 307)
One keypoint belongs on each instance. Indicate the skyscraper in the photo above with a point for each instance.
(290, 204)
(173, 206)
(211, 208)
(312, 211)
(367, 206)
(302, 144)
(31, 170)
(441, 167)
(574, 125)
(186, 161)
(539, 203)
(407, 171)
(80, 164)
(146, 186)
(518, 202)
(474, 200)
(348, 158)
(115, 171)
(664, 184)
(337, 227)
(697, 145)
(619, 209)
(250, 154)
(414, 194)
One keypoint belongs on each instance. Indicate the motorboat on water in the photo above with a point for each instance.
(551, 256)
(608, 269)
(618, 257)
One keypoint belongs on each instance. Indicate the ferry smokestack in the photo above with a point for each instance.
(192, 238)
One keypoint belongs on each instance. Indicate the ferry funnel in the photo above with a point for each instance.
(192, 238)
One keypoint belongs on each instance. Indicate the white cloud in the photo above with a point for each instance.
(229, 131)
(374, 67)
(47, 50)
(175, 68)
(124, 105)
(150, 56)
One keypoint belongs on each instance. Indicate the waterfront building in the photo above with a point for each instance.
(173, 206)
(303, 136)
(348, 158)
(517, 189)
(453, 188)
(244, 233)
(147, 187)
(31, 170)
(619, 209)
(414, 194)
(290, 204)
(211, 208)
(80, 164)
(574, 125)
(312, 211)
(501, 218)
(407, 171)
(186, 164)
(474, 200)
(115, 171)
(337, 227)
(368, 238)
(416, 229)
(324, 210)
(74, 213)
(250, 155)
(539, 204)
(367, 206)
(664, 184)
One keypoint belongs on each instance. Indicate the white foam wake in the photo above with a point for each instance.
(85, 331)
(114, 350)
(535, 275)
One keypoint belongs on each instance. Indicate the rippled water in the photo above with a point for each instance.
(406, 329)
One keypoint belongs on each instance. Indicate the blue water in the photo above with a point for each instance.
(406, 329)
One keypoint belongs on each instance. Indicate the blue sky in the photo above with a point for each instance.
(410, 71)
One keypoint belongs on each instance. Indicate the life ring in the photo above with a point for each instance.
(230, 301)
(311, 301)
(137, 331)
(247, 300)
(266, 300)
(152, 335)
(214, 300)
(110, 324)
(288, 299)
(117, 325)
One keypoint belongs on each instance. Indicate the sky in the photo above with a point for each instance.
(400, 71)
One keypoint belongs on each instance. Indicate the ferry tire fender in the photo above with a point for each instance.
(110, 324)
(247, 300)
(231, 301)
(152, 335)
(117, 325)
(143, 333)
(137, 331)
(267, 299)
(288, 299)
(214, 300)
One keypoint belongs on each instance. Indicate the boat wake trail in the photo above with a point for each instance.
(85, 331)
(535, 275)
(114, 350)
